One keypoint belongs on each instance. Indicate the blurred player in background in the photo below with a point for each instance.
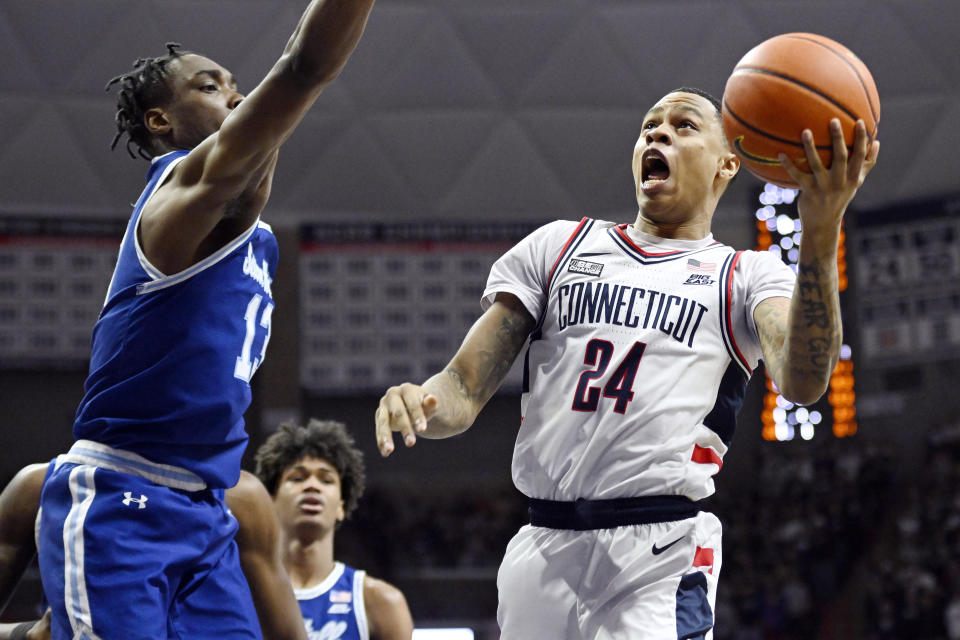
(134, 538)
(640, 342)
(316, 477)
(258, 535)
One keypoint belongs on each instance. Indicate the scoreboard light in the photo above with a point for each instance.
(780, 232)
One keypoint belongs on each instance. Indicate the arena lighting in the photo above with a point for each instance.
(442, 634)
(779, 231)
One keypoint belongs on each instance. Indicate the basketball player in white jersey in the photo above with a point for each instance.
(640, 341)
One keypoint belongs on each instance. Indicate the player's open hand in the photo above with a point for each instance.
(826, 191)
(406, 409)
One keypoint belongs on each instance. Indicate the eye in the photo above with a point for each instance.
(686, 124)
(209, 88)
(650, 124)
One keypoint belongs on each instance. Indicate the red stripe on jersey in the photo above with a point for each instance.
(703, 558)
(563, 251)
(733, 340)
(705, 455)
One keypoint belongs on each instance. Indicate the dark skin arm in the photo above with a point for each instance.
(801, 336)
(387, 611)
(448, 403)
(258, 539)
(230, 172)
(19, 504)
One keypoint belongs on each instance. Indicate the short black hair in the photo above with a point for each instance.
(142, 89)
(703, 94)
(326, 439)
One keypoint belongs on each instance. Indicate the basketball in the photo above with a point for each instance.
(789, 83)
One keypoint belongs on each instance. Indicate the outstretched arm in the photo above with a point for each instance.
(258, 539)
(448, 403)
(801, 337)
(235, 166)
(387, 611)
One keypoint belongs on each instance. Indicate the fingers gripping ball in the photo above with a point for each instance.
(789, 83)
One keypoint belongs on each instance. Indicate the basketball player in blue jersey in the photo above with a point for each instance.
(316, 477)
(257, 539)
(134, 538)
(640, 341)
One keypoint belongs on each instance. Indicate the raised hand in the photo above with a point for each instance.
(825, 192)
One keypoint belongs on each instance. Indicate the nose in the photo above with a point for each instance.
(235, 100)
(660, 133)
(311, 483)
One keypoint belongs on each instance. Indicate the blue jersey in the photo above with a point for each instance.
(173, 354)
(334, 609)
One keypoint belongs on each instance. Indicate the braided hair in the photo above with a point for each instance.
(141, 89)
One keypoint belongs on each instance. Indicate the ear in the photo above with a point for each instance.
(341, 516)
(729, 166)
(156, 122)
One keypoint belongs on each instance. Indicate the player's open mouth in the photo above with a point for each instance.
(654, 169)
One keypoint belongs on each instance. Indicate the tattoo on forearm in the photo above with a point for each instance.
(453, 410)
(491, 361)
(460, 383)
(496, 362)
(815, 314)
(815, 322)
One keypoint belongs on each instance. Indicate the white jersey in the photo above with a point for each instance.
(639, 361)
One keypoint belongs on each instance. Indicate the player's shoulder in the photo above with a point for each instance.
(760, 261)
(380, 593)
(386, 609)
(30, 478)
(563, 230)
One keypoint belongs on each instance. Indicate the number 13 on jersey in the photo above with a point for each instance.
(246, 367)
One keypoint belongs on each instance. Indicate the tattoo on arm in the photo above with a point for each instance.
(474, 375)
(495, 363)
(801, 340)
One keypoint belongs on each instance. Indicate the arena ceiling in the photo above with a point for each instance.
(457, 109)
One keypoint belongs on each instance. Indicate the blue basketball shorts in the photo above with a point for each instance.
(123, 555)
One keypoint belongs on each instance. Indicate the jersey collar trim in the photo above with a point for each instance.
(167, 281)
(621, 239)
(309, 593)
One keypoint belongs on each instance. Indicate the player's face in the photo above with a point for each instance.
(204, 94)
(308, 498)
(681, 157)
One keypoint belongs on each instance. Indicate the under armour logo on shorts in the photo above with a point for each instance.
(128, 498)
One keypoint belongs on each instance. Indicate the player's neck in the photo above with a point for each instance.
(308, 562)
(695, 229)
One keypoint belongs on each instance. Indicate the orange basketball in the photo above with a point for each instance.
(789, 83)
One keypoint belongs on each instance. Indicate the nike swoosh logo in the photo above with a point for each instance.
(590, 255)
(658, 550)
